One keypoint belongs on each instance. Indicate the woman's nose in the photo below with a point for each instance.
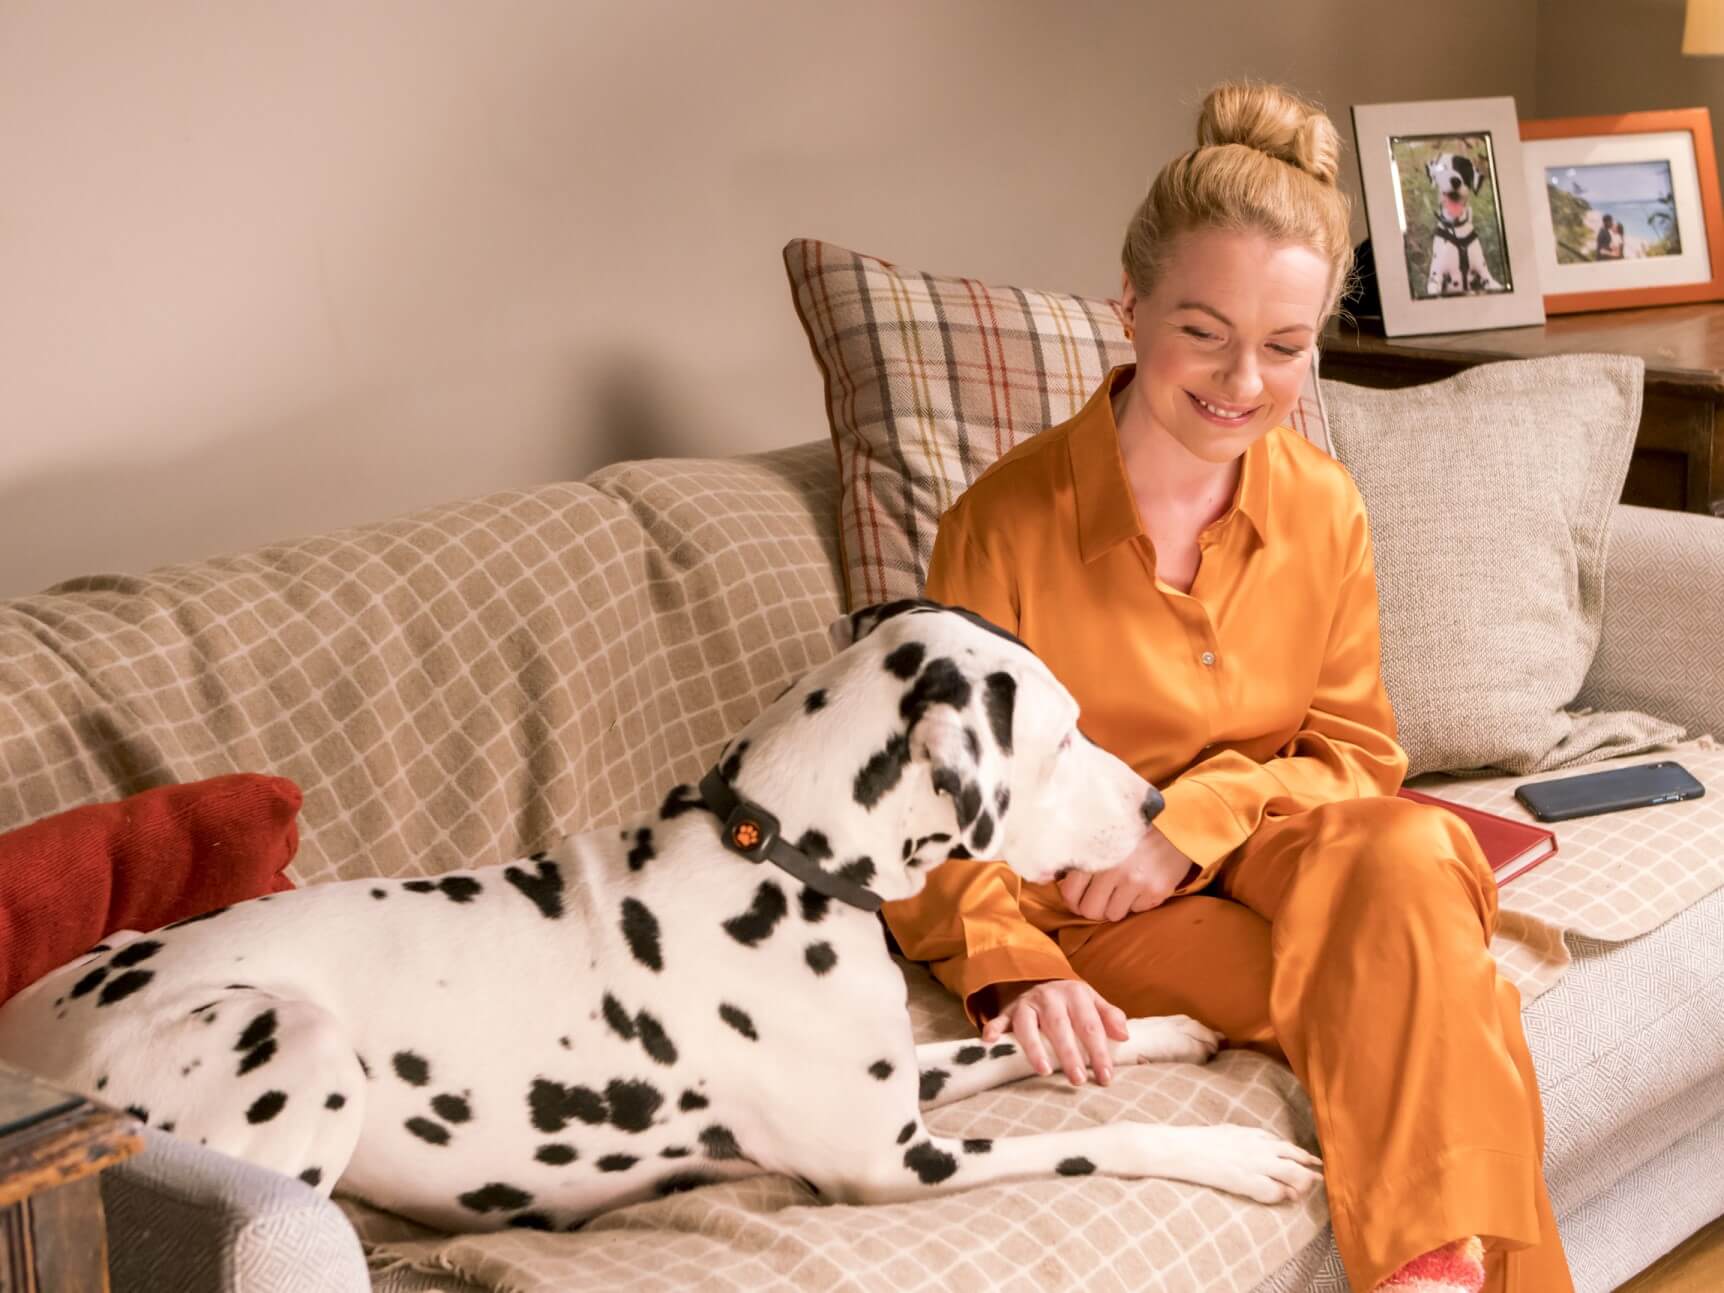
(1241, 380)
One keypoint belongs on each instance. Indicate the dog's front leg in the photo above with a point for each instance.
(952, 1070)
(1241, 1160)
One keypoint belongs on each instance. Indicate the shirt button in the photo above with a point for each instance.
(1208, 657)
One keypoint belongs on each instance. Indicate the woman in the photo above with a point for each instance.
(1201, 579)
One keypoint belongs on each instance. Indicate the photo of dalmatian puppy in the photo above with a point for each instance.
(701, 994)
(1458, 263)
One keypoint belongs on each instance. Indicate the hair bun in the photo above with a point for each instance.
(1273, 120)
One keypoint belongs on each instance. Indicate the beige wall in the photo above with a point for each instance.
(267, 269)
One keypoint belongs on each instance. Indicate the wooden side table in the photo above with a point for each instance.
(1678, 460)
(53, 1146)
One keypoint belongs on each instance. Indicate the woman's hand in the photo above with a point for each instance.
(1066, 1014)
(1154, 870)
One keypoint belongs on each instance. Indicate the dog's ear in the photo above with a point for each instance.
(949, 745)
(852, 628)
(1481, 174)
(841, 632)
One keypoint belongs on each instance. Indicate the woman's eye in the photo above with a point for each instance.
(1199, 333)
(1290, 352)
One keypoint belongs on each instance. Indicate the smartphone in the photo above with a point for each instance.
(1611, 791)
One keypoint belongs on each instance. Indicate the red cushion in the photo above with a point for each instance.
(69, 880)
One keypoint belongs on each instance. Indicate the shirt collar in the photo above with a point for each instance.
(1106, 507)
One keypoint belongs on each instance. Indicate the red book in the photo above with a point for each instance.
(1510, 847)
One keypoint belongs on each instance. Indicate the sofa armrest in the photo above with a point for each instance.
(1660, 651)
(186, 1218)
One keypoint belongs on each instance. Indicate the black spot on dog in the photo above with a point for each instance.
(101, 1082)
(643, 851)
(983, 832)
(908, 1131)
(930, 1165)
(552, 1105)
(933, 1082)
(958, 851)
(1002, 1049)
(905, 660)
(692, 1100)
(756, 924)
(675, 1151)
(99, 947)
(969, 803)
(544, 889)
(257, 1057)
(633, 1103)
(738, 1020)
(257, 1031)
(733, 763)
(654, 1039)
(980, 1145)
(820, 957)
(618, 1018)
(495, 1197)
(815, 845)
(677, 1182)
(1002, 800)
(941, 683)
(131, 954)
(881, 1069)
(999, 698)
(720, 1143)
(380, 893)
(681, 799)
(973, 743)
(815, 700)
(121, 988)
(969, 1054)
(411, 1069)
(419, 886)
(859, 872)
(530, 1221)
(451, 1108)
(459, 888)
(139, 1112)
(640, 929)
(266, 1106)
(883, 771)
(432, 1133)
(616, 1162)
(90, 981)
(168, 1125)
(312, 1176)
(556, 1155)
(363, 1066)
(1075, 1167)
(335, 1101)
(814, 904)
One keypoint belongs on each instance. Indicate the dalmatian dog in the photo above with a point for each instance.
(701, 994)
(1457, 258)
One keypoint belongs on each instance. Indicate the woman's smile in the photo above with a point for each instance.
(1213, 412)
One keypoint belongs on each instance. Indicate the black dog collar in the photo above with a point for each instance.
(752, 832)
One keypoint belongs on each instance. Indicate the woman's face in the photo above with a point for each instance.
(1231, 324)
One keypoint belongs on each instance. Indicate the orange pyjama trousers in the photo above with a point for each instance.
(1350, 942)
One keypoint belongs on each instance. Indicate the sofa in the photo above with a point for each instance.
(468, 683)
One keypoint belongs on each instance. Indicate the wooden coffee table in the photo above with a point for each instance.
(53, 1147)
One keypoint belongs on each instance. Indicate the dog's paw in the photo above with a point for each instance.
(1247, 1160)
(1164, 1038)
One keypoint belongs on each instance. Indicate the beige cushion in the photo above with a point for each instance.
(930, 379)
(1490, 495)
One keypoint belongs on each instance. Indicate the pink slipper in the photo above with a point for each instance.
(1456, 1267)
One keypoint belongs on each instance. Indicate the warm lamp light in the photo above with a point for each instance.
(1703, 30)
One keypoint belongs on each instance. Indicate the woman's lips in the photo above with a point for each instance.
(1219, 421)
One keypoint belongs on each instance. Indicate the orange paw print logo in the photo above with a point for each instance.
(746, 835)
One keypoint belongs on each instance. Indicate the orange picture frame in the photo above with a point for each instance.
(1697, 122)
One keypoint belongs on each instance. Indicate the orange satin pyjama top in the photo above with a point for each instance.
(1256, 695)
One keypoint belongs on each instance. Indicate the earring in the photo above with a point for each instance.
(1130, 332)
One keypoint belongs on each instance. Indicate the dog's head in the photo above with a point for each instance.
(1456, 178)
(934, 734)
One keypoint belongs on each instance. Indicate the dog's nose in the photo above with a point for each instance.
(1152, 805)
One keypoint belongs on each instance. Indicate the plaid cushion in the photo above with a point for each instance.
(929, 380)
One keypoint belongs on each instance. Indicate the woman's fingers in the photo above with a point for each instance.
(1096, 895)
(1057, 1025)
(1024, 1020)
(1094, 1037)
(1071, 888)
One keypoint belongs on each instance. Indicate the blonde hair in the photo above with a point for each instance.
(1265, 163)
